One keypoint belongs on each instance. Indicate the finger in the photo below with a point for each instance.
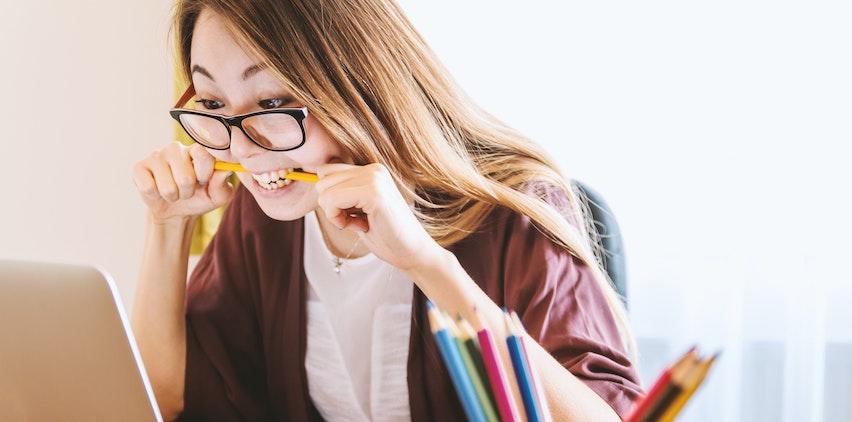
(164, 185)
(220, 189)
(183, 174)
(335, 215)
(202, 162)
(350, 219)
(143, 178)
(355, 219)
(330, 169)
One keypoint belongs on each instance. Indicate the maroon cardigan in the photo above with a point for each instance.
(246, 319)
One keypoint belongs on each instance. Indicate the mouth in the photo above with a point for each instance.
(274, 179)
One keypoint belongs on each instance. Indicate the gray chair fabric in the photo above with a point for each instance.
(608, 237)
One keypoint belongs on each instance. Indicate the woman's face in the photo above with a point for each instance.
(229, 82)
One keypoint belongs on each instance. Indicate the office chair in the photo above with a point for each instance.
(608, 237)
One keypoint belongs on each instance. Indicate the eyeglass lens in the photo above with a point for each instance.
(275, 130)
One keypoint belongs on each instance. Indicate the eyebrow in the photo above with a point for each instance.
(248, 73)
(201, 70)
(251, 71)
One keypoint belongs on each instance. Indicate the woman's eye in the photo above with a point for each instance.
(210, 104)
(272, 103)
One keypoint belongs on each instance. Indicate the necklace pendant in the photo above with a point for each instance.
(337, 263)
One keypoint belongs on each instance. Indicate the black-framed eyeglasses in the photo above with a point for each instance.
(278, 129)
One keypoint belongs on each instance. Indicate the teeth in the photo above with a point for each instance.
(273, 179)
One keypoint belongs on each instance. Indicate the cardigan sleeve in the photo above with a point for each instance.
(563, 306)
(225, 377)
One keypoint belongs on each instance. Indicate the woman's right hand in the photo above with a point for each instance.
(178, 181)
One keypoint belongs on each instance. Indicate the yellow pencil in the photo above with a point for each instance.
(691, 383)
(293, 175)
(224, 165)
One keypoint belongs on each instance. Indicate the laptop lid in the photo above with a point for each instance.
(66, 349)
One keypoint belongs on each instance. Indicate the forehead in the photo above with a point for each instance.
(215, 49)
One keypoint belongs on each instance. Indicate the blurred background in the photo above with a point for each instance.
(718, 132)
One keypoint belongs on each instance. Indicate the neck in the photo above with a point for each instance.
(340, 242)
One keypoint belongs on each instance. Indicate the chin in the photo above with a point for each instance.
(276, 213)
(287, 204)
(283, 209)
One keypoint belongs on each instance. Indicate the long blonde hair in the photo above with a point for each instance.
(371, 80)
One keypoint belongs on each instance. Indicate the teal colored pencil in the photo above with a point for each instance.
(453, 361)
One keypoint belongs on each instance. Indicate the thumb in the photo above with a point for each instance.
(220, 188)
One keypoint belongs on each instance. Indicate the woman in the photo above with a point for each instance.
(310, 302)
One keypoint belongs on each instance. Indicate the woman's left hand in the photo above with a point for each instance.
(366, 199)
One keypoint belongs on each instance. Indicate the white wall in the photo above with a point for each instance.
(85, 87)
(718, 132)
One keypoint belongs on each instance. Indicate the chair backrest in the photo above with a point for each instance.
(608, 237)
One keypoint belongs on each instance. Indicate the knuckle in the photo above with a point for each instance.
(376, 168)
(196, 149)
(170, 193)
(185, 180)
(157, 155)
(146, 187)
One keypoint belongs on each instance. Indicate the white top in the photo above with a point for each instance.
(359, 324)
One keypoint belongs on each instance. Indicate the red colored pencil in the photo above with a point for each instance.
(647, 405)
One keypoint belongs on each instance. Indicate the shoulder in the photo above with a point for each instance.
(503, 222)
(557, 197)
(508, 251)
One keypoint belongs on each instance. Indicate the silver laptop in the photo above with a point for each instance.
(66, 349)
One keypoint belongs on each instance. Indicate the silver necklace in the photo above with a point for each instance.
(338, 261)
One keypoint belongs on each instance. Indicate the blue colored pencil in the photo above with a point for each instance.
(540, 397)
(520, 364)
(455, 365)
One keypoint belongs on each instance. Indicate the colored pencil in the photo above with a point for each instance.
(671, 391)
(472, 356)
(520, 365)
(456, 367)
(659, 392)
(689, 385)
(541, 399)
(500, 382)
(293, 175)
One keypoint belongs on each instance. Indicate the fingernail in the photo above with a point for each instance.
(202, 182)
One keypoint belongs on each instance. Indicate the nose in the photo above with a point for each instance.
(241, 145)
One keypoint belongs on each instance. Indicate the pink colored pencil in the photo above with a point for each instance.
(496, 374)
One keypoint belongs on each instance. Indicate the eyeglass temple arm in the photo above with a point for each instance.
(184, 98)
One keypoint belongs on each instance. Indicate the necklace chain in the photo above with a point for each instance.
(338, 261)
